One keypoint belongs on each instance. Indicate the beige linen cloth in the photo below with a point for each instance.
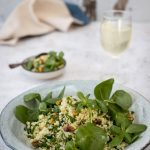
(35, 17)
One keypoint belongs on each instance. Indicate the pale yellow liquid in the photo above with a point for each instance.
(115, 36)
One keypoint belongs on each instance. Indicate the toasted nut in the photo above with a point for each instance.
(130, 116)
(64, 111)
(51, 121)
(36, 143)
(75, 113)
(43, 58)
(40, 62)
(97, 121)
(68, 128)
(41, 69)
(58, 102)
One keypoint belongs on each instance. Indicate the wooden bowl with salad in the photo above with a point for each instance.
(45, 65)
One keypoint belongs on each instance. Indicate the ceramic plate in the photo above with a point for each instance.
(12, 130)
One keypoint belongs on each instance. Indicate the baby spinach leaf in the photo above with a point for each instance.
(115, 129)
(61, 94)
(102, 106)
(122, 121)
(32, 96)
(61, 55)
(135, 137)
(123, 99)
(92, 104)
(128, 138)
(33, 115)
(29, 65)
(43, 107)
(79, 106)
(81, 96)
(136, 128)
(90, 137)
(86, 102)
(103, 90)
(116, 140)
(83, 99)
(32, 100)
(52, 100)
(21, 113)
(113, 110)
(87, 96)
(24, 114)
(70, 146)
(48, 96)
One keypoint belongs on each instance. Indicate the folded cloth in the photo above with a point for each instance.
(36, 17)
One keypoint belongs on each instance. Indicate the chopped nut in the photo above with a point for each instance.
(51, 121)
(97, 121)
(75, 113)
(68, 128)
(36, 143)
(43, 58)
(130, 116)
(41, 69)
(58, 102)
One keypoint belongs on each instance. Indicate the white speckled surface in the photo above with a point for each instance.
(85, 60)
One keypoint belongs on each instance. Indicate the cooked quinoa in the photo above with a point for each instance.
(59, 125)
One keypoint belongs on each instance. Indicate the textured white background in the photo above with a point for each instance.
(86, 60)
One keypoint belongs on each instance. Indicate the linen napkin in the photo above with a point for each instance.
(36, 17)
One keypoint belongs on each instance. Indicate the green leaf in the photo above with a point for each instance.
(36, 64)
(103, 90)
(43, 107)
(123, 99)
(52, 100)
(21, 113)
(118, 115)
(136, 128)
(79, 106)
(83, 99)
(116, 140)
(81, 96)
(48, 96)
(102, 106)
(33, 115)
(113, 110)
(122, 120)
(32, 100)
(135, 137)
(128, 138)
(115, 129)
(87, 96)
(61, 94)
(92, 104)
(29, 65)
(24, 114)
(70, 146)
(90, 137)
(61, 55)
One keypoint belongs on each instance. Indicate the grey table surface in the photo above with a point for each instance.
(86, 60)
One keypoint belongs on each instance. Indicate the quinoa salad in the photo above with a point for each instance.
(81, 121)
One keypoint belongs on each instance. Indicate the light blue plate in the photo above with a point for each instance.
(12, 130)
